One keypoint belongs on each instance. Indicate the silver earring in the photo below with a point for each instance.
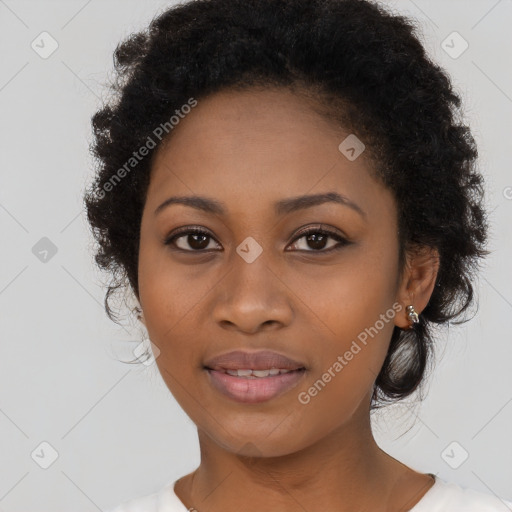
(413, 315)
(138, 313)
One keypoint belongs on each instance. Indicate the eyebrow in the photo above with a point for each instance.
(282, 207)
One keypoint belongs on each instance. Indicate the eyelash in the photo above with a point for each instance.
(191, 230)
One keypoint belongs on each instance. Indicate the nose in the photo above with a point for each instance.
(252, 297)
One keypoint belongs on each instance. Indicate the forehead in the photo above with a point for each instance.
(255, 147)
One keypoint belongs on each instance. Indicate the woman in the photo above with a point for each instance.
(285, 189)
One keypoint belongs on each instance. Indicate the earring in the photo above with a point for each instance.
(139, 313)
(413, 315)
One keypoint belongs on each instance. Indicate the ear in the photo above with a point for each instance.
(418, 281)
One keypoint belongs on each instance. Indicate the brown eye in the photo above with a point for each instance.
(317, 240)
(190, 240)
(193, 239)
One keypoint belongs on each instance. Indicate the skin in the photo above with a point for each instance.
(248, 150)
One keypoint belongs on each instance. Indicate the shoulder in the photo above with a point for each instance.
(147, 503)
(446, 496)
(164, 500)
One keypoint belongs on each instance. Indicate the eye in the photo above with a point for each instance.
(196, 238)
(317, 239)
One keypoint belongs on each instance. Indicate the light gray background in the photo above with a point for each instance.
(117, 430)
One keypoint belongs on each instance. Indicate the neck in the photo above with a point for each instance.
(344, 471)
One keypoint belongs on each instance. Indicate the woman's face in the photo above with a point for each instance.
(253, 281)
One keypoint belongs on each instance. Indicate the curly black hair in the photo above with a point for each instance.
(365, 69)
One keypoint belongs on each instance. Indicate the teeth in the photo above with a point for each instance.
(244, 373)
(252, 374)
(261, 373)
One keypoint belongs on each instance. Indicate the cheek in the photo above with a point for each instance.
(168, 302)
(354, 311)
(168, 291)
(341, 383)
(346, 298)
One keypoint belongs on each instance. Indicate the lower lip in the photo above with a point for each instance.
(256, 390)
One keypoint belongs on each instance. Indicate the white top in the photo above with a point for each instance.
(441, 497)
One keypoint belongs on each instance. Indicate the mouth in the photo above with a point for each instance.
(253, 377)
(249, 373)
(249, 386)
(243, 360)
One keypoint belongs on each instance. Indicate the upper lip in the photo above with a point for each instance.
(261, 360)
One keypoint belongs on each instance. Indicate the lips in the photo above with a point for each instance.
(243, 360)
